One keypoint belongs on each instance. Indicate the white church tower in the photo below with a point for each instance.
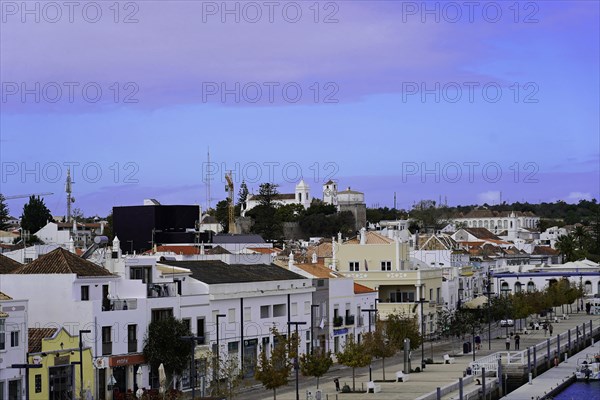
(303, 194)
(330, 191)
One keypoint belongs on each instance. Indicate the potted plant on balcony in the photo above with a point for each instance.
(338, 321)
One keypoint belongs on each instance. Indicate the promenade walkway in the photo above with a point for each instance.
(419, 385)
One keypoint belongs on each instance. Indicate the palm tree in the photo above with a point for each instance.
(567, 247)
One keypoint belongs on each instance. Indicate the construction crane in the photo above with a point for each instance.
(23, 196)
(230, 207)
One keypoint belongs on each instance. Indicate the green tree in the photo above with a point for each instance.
(266, 222)
(316, 363)
(354, 355)
(163, 344)
(289, 212)
(35, 215)
(242, 193)
(267, 194)
(403, 326)
(228, 373)
(3, 213)
(273, 372)
(379, 345)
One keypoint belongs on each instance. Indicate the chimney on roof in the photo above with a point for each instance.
(291, 261)
(314, 258)
(363, 236)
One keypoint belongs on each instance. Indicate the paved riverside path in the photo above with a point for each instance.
(435, 375)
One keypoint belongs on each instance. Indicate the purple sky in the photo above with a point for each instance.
(382, 96)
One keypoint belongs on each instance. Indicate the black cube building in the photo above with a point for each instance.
(136, 225)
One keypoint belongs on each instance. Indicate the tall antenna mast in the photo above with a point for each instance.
(68, 189)
(208, 180)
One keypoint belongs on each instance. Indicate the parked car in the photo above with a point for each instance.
(507, 322)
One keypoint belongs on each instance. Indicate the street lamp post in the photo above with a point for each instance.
(489, 293)
(312, 327)
(218, 316)
(296, 366)
(193, 340)
(421, 301)
(26, 366)
(81, 332)
(370, 311)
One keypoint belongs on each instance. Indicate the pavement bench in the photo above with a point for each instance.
(401, 376)
(373, 388)
(448, 359)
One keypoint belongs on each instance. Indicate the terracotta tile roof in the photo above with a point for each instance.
(8, 265)
(486, 213)
(61, 261)
(36, 335)
(482, 233)
(359, 289)
(4, 296)
(265, 250)
(323, 249)
(317, 270)
(372, 238)
(185, 250)
(280, 196)
(545, 251)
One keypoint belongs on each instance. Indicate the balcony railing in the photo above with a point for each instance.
(168, 289)
(120, 305)
(132, 346)
(106, 348)
(349, 319)
(337, 322)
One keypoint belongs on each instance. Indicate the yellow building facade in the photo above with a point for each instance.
(59, 377)
(383, 264)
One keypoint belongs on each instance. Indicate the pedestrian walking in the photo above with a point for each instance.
(517, 341)
(588, 307)
(550, 328)
(555, 360)
(507, 341)
(478, 342)
(545, 328)
(337, 384)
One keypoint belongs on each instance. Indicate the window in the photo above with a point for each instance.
(353, 266)
(14, 339)
(386, 265)
(232, 347)
(141, 273)
(294, 309)
(160, 314)
(200, 330)
(247, 313)
(106, 340)
(430, 294)
(132, 338)
(265, 311)
(307, 307)
(588, 287)
(279, 310)
(38, 383)
(85, 293)
(231, 315)
(188, 323)
(518, 287)
(530, 286)
(2, 333)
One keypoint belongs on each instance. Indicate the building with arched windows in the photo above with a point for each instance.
(521, 278)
